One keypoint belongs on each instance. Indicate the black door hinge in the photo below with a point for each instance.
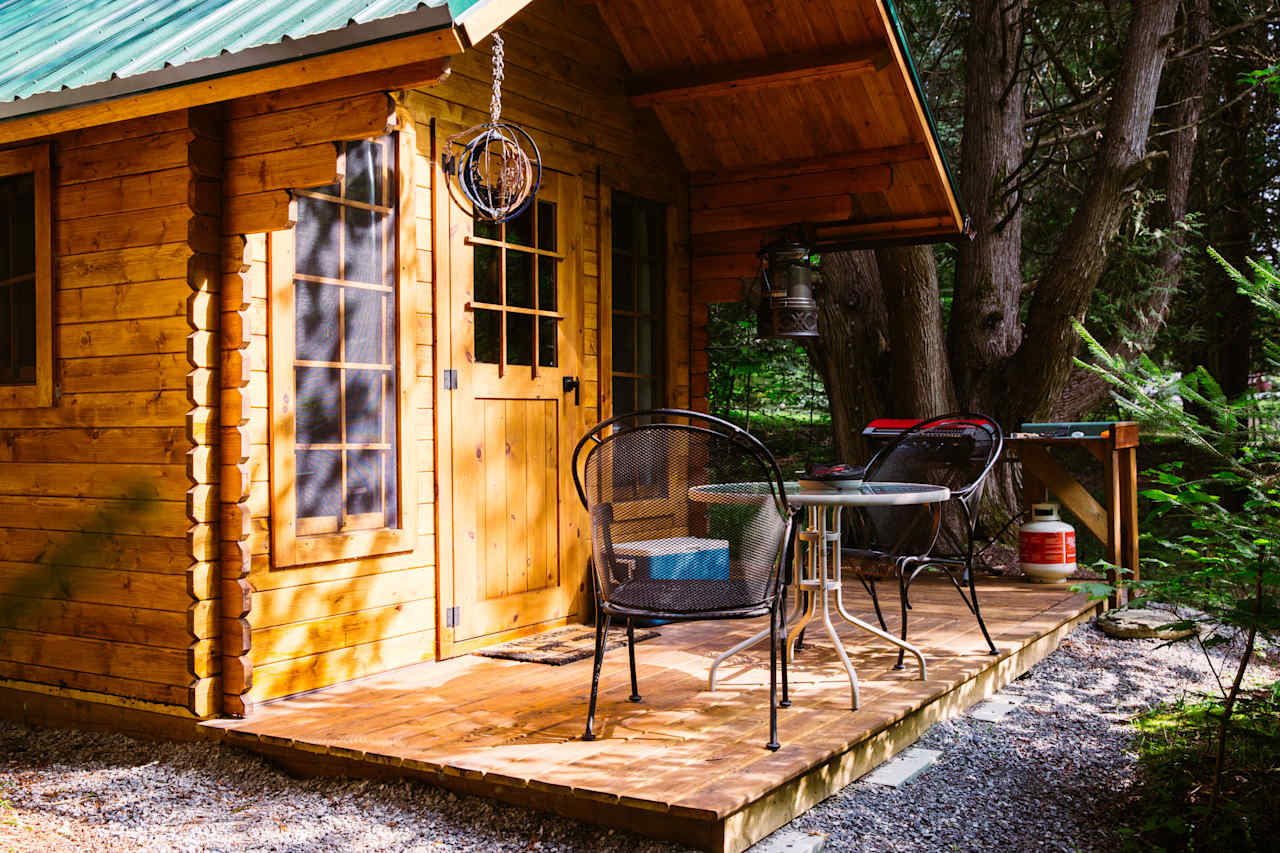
(451, 380)
(452, 617)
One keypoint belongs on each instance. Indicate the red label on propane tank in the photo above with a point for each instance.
(1058, 546)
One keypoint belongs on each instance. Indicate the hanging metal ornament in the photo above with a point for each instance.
(493, 171)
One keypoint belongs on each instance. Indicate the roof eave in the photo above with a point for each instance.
(419, 22)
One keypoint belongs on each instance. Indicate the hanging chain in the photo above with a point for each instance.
(495, 102)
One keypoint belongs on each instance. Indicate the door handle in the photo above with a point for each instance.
(571, 383)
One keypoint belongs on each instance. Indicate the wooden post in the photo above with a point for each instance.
(1114, 551)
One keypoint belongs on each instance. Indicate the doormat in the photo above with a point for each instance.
(562, 645)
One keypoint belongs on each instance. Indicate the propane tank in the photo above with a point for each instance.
(1047, 546)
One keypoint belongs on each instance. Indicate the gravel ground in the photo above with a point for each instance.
(1045, 778)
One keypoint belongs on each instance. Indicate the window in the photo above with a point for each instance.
(516, 290)
(639, 265)
(337, 341)
(26, 279)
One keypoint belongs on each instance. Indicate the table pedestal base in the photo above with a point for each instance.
(821, 579)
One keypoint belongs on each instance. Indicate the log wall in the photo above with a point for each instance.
(149, 479)
(106, 552)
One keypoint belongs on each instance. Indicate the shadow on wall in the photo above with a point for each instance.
(60, 566)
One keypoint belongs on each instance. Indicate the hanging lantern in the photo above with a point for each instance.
(787, 306)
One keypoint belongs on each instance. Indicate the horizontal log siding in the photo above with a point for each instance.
(101, 588)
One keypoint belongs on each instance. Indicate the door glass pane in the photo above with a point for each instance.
(520, 229)
(487, 270)
(519, 279)
(547, 226)
(622, 225)
(548, 354)
(624, 394)
(644, 347)
(488, 230)
(547, 271)
(623, 283)
(624, 344)
(519, 339)
(644, 287)
(488, 347)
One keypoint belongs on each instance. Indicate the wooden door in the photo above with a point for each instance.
(516, 333)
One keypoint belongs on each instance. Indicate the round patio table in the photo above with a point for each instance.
(818, 571)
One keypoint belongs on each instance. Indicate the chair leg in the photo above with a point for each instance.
(782, 638)
(631, 649)
(773, 679)
(902, 597)
(870, 584)
(602, 632)
(973, 601)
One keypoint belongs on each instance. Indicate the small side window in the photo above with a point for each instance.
(26, 279)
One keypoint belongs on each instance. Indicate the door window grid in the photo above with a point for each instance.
(345, 448)
(17, 280)
(516, 290)
(639, 283)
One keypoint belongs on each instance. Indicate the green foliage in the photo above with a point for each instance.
(1225, 509)
(747, 374)
(767, 387)
(1174, 744)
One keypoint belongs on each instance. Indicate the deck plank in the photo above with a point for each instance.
(511, 730)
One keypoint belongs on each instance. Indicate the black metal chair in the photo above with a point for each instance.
(957, 451)
(689, 522)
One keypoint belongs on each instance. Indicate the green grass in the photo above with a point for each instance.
(1176, 747)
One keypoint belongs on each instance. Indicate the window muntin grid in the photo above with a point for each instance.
(516, 290)
(639, 261)
(345, 350)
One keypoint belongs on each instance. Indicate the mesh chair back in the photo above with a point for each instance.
(688, 515)
(956, 451)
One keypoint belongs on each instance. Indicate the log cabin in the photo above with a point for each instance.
(276, 411)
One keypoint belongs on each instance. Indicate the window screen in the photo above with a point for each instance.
(17, 280)
(345, 374)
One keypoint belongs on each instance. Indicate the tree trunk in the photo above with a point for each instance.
(852, 354)
(1229, 349)
(1188, 81)
(985, 325)
(920, 378)
(1043, 363)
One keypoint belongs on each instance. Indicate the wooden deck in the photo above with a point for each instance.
(687, 764)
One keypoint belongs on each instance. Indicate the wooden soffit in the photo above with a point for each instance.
(790, 112)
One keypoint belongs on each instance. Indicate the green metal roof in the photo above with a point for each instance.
(57, 53)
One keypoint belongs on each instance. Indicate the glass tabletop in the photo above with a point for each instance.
(859, 494)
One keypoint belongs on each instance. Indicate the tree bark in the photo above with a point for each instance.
(1043, 363)
(920, 377)
(852, 355)
(985, 324)
(1187, 84)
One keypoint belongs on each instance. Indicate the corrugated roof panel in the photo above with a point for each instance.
(52, 45)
